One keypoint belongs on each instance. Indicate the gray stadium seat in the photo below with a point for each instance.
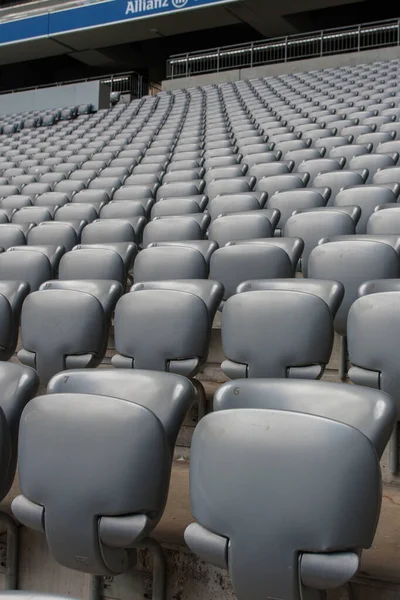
(160, 263)
(291, 200)
(312, 226)
(233, 227)
(372, 162)
(367, 197)
(373, 328)
(226, 532)
(51, 199)
(16, 202)
(31, 267)
(33, 214)
(237, 263)
(141, 423)
(172, 229)
(77, 317)
(279, 183)
(76, 212)
(385, 220)
(253, 339)
(331, 292)
(352, 262)
(50, 233)
(102, 231)
(92, 263)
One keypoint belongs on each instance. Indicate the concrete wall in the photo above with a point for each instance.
(51, 97)
(298, 66)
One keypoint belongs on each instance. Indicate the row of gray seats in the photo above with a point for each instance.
(128, 478)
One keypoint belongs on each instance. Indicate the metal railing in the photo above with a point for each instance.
(126, 83)
(285, 49)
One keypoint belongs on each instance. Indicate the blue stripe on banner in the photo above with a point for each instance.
(24, 29)
(93, 15)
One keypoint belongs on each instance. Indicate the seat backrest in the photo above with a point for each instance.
(385, 221)
(312, 227)
(258, 343)
(16, 202)
(108, 230)
(51, 199)
(352, 263)
(161, 330)
(96, 263)
(175, 207)
(19, 385)
(291, 200)
(171, 229)
(232, 531)
(367, 197)
(120, 209)
(337, 180)
(179, 189)
(233, 227)
(119, 518)
(76, 212)
(372, 330)
(32, 214)
(237, 263)
(223, 205)
(211, 292)
(11, 235)
(341, 403)
(278, 183)
(236, 185)
(332, 292)
(30, 266)
(372, 162)
(160, 263)
(74, 323)
(141, 387)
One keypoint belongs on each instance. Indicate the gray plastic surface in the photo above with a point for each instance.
(386, 221)
(337, 180)
(239, 227)
(253, 338)
(332, 292)
(371, 412)
(75, 426)
(292, 523)
(92, 263)
(52, 233)
(205, 247)
(11, 235)
(75, 326)
(373, 331)
(352, 263)
(289, 201)
(31, 267)
(211, 292)
(167, 395)
(367, 197)
(312, 227)
(169, 262)
(108, 231)
(161, 330)
(171, 229)
(237, 263)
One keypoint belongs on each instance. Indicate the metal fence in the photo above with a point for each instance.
(284, 49)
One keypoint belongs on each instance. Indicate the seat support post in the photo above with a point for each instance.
(393, 452)
(343, 358)
(201, 398)
(12, 550)
(159, 568)
(95, 587)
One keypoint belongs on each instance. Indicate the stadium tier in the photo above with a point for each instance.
(241, 241)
